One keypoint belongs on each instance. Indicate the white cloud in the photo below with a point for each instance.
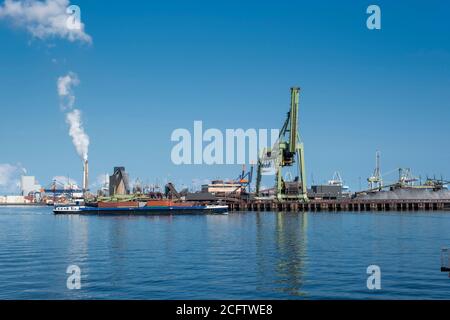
(10, 177)
(43, 19)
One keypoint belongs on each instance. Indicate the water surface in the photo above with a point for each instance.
(244, 255)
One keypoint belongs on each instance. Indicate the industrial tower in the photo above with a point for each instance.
(287, 150)
(376, 180)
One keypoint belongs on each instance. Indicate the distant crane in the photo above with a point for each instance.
(406, 180)
(287, 150)
(243, 181)
(376, 181)
(336, 180)
(137, 188)
(436, 184)
(405, 177)
(61, 187)
(245, 178)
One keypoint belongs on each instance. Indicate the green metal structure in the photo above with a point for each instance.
(287, 152)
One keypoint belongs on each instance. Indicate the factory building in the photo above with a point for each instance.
(28, 185)
(221, 187)
(14, 200)
(119, 182)
(325, 192)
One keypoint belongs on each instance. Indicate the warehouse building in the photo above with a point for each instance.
(29, 185)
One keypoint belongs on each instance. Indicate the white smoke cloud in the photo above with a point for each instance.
(65, 90)
(43, 19)
(10, 177)
(80, 139)
(66, 82)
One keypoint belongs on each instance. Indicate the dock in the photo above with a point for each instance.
(339, 205)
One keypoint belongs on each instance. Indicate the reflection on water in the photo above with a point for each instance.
(245, 255)
(289, 259)
(291, 243)
(78, 238)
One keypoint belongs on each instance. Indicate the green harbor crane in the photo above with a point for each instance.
(286, 151)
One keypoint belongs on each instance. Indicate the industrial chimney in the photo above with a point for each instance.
(85, 176)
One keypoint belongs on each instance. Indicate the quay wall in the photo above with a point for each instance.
(341, 205)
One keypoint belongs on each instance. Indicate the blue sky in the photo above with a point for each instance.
(154, 67)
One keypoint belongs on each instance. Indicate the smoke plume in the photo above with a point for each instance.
(79, 137)
(10, 177)
(65, 90)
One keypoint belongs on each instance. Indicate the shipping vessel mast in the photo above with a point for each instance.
(286, 152)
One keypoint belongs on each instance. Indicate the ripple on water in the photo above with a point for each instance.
(239, 256)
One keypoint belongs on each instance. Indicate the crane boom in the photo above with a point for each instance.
(286, 151)
(293, 119)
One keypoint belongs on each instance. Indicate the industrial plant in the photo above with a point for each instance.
(289, 192)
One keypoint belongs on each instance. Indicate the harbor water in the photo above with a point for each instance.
(243, 255)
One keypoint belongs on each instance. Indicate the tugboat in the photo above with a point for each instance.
(74, 207)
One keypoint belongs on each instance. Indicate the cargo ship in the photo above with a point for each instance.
(151, 207)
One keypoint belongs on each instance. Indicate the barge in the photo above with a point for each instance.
(152, 207)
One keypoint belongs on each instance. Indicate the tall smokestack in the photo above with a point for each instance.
(85, 176)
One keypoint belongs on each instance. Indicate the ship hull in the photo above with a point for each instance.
(145, 210)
